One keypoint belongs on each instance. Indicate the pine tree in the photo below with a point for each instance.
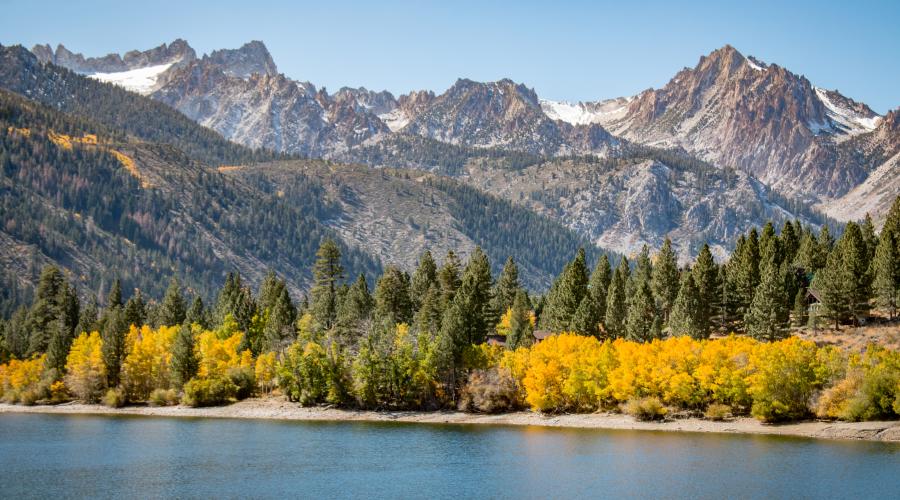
(135, 310)
(789, 241)
(64, 333)
(17, 335)
(114, 331)
(449, 278)
(521, 332)
(616, 301)
(269, 291)
(44, 309)
(184, 357)
(706, 278)
(454, 328)
(666, 278)
(592, 309)
(428, 317)
(473, 298)
(507, 287)
(643, 323)
(327, 276)
(800, 314)
(172, 310)
(354, 310)
(88, 319)
(869, 237)
(229, 296)
(566, 295)
(886, 268)
(892, 220)
(643, 271)
(768, 314)
(197, 314)
(423, 279)
(392, 301)
(114, 299)
(279, 328)
(687, 312)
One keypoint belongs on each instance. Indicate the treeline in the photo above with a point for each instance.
(638, 341)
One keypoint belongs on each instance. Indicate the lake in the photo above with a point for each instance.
(146, 457)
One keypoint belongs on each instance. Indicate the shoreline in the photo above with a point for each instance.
(279, 409)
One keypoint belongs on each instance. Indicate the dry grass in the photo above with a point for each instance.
(855, 339)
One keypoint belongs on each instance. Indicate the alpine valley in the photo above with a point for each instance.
(139, 164)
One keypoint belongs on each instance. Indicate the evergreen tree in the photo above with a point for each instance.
(616, 301)
(269, 291)
(706, 278)
(892, 220)
(687, 312)
(114, 349)
(88, 320)
(136, 310)
(869, 237)
(768, 314)
(44, 309)
(643, 323)
(423, 279)
(327, 276)
(197, 314)
(507, 287)
(592, 309)
(886, 268)
(454, 328)
(392, 301)
(17, 335)
(428, 317)
(565, 297)
(643, 271)
(789, 241)
(521, 333)
(473, 298)
(354, 310)
(666, 278)
(800, 316)
(64, 332)
(184, 357)
(279, 328)
(449, 278)
(229, 296)
(172, 310)
(114, 299)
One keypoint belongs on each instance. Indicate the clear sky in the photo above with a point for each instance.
(565, 50)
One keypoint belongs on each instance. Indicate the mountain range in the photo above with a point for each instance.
(726, 144)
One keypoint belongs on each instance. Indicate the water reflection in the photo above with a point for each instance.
(90, 456)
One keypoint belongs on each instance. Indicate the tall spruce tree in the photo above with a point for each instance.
(666, 278)
(474, 298)
(422, 280)
(687, 312)
(521, 332)
(706, 278)
(449, 278)
(88, 319)
(392, 301)
(279, 329)
(136, 310)
(44, 309)
(173, 309)
(184, 357)
(197, 314)
(507, 287)
(113, 349)
(886, 269)
(114, 298)
(768, 314)
(800, 314)
(643, 322)
(64, 332)
(565, 297)
(616, 301)
(428, 317)
(328, 273)
(592, 309)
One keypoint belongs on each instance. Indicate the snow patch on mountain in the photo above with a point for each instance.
(140, 80)
(848, 121)
(585, 113)
(395, 120)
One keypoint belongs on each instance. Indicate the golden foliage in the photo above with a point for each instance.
(19, 380)
(217, 356)
(147, 364)
(85, 369)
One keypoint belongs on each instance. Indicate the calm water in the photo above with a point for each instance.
(93, 456)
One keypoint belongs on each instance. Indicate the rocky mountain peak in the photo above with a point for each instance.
(177, 52)
(251, 58)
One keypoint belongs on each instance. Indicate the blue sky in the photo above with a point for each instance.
(565, 50)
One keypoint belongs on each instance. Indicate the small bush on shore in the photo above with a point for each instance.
(645, 409)
(163, 397)
(209, 392)
(717, 412)
(490, 391)
(115, 398)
